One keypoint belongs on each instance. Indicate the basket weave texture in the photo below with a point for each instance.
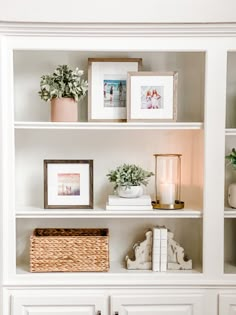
(69, 250)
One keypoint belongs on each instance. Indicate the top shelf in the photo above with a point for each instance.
(107, 125)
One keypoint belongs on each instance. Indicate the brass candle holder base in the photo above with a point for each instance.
(177, 205)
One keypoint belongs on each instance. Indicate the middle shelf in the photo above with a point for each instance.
(107, 150)
(33, 212)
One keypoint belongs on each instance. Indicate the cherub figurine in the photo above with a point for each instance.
(142, 253)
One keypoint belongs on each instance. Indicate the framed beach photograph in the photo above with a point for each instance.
(152, 96)
(68, 184)
(107, 97)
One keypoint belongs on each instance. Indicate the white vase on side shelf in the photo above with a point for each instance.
(232, 195)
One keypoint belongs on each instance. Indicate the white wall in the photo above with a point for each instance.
(118, 10)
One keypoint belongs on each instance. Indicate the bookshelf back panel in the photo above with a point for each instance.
(231, 91)
(229, 241)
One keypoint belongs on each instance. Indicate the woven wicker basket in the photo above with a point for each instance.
(69, 250)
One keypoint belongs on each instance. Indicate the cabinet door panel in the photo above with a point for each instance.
(58, 310)
(157, 310)
(40, 302)
(227, 304)
(160, 304)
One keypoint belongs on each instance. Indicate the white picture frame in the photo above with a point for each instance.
(107, 95)
(152, 96)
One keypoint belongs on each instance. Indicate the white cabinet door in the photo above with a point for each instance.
(227, 304)
(46, 302)
(158, 304)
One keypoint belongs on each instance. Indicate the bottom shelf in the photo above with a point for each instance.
(115, 268)
(117, 275)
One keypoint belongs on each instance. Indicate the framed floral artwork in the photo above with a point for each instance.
(68, 184)
(152, 96)
(107, 96)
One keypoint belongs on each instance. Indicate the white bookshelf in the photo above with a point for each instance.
(205, 59)
(35, 138)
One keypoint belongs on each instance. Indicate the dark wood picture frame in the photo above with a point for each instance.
(92, 86)
(88, 205)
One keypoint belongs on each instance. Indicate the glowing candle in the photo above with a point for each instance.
(167, 194)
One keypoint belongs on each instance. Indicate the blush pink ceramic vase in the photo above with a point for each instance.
(64, 109)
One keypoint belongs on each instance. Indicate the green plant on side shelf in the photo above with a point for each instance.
(64, 82)
(128, 175)
(232, 158)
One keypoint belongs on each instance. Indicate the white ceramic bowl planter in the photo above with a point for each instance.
(130, 192)
(129, 180)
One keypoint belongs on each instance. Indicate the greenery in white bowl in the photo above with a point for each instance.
(128, 175)
(64, 82)
(232, 158)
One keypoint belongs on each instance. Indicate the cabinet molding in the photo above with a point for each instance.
(118, 29)
(227, 304)
(42, 302)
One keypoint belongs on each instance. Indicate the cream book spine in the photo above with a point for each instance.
(163, 242)
(156, 249)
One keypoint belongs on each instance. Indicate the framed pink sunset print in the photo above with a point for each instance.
(68, 184)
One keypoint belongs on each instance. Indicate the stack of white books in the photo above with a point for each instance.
(159, 249)
(115, 202)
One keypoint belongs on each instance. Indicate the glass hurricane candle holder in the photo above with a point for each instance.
(168, 182)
